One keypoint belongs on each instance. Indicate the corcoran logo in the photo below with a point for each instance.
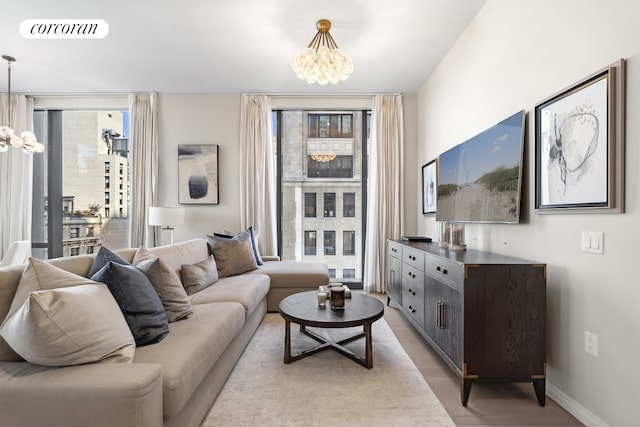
(64, 28)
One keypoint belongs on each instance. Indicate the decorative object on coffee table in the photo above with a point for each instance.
(302, 308)
(337, 297)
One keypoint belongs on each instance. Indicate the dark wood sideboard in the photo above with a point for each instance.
(483, 313)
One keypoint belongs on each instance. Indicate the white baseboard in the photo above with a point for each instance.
(583, 415)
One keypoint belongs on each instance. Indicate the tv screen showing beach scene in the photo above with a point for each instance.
(479, 180)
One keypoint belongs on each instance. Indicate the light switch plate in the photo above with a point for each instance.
(593, 242)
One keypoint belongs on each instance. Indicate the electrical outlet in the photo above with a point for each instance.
(591, 343)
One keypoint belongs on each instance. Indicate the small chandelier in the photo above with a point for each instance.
(322, 61)
(323, 157)
(27, 140)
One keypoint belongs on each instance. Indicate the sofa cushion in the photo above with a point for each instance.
(189, 252)
(191, 349)
(46, 330)
(246, 289)
(196, 277)
(254, 242)
(39, 275)
(103, 256)
(295, 274)
(137, 299)
(166, 283)
(233, 256)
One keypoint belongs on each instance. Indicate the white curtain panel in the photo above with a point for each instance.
(143, 147)
(16, 175)
(385, 193)
(257, 171)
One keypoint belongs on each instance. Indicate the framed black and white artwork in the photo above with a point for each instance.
(198, 174)
(429, 187)
(580, 146)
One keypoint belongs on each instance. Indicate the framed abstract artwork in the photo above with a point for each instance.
(198, 174)
(579, 149)
(429, 187)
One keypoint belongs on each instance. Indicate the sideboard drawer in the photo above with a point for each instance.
(444, 270)
(394, 249)
(413, 257)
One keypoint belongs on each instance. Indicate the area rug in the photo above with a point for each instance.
(325, 388)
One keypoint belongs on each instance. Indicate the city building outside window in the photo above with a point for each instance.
(310, 205)
(329, 205)
(348, 273)
(107, 182)
(107, 213)
(329, 242)
(107, 197)
(74, 232)
(349, 205)
(107, 167)
(309, 242)
(348, 242)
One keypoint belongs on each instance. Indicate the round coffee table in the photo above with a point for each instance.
(303, 309)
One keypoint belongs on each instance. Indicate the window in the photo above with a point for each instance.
(340, 167)
(329, 242)
(74, 251)
(330, 125)
(121, 212)
(348, 273)
(121, 199)
(329, 205)
(73, 182)
(310, 205)
(332, 273)
(349, 205)
(309, 242)
(90, 249)
(348, 242)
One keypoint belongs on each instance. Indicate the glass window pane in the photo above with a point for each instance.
(329, 205)
(309, 242)
(349, 205)
(329, 242)
(349, 242)
(310, 205)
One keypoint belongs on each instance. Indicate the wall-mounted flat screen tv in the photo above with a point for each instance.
(480, 180)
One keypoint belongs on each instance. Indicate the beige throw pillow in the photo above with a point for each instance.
(40, 275)
(70, 326)
(196, 277)
(166, 283)
(233, 256)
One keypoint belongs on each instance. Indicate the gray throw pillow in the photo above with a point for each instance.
(166, 283)
(233, 256)
(196, 277)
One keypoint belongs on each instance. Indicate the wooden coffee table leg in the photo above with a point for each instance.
(287, 342)
(369, 345)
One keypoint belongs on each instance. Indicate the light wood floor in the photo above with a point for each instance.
(495, 404)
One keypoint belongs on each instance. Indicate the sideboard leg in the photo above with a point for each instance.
(539, 387)
(465, 389)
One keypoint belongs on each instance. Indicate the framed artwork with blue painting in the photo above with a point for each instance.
(580, 146)
(198, 174)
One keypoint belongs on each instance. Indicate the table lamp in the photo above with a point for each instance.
(166, 218)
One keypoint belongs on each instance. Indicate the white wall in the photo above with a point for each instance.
(215, 119)
(512, 56)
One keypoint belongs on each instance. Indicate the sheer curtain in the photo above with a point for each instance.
(16, 175)
(385, 193)
(143, 166)
(257, 171)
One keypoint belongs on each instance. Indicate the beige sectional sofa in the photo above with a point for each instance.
(170, 383)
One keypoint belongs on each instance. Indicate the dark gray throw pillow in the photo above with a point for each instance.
(233, 256)
(103, 256)
(138, 301)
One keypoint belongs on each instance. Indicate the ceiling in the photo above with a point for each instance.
(234, 46)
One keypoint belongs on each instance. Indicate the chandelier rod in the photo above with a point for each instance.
(9, 60)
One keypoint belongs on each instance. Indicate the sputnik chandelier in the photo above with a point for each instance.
(322, 61)
(27, 140)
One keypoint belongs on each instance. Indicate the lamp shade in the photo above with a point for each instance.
(166, 216)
